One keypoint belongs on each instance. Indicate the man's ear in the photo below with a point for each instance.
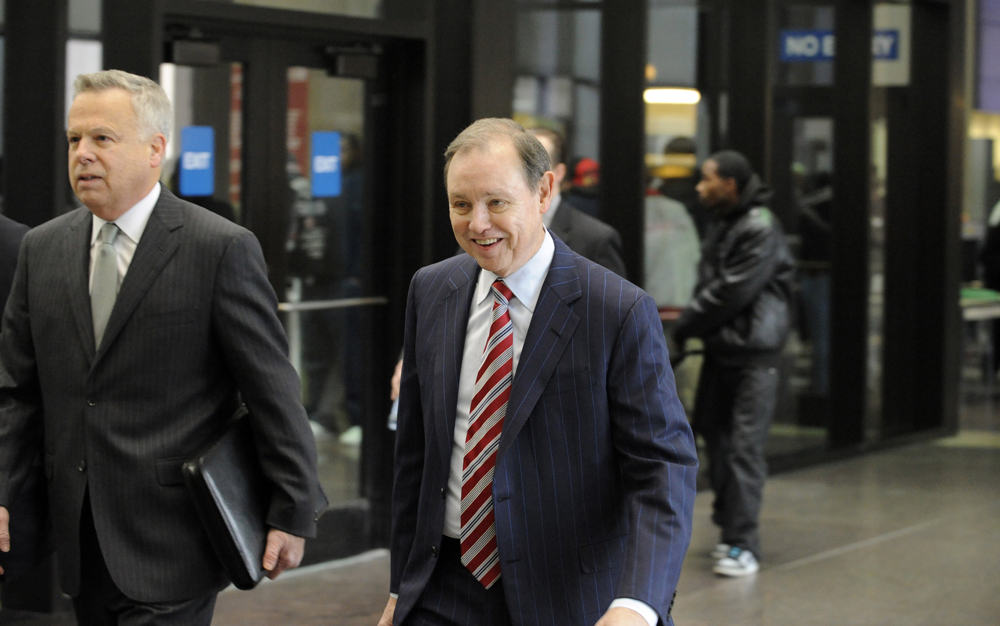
(157, 149)
(546, 186)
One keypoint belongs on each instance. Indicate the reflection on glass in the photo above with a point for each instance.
(558, 86)
(351, 8)
(324, 251)
(805, 45)
(876, 261)
(804, 198)
(212, 97)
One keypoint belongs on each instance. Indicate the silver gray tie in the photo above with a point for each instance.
(105, 285)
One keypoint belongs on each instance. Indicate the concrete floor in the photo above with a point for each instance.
(908, 536)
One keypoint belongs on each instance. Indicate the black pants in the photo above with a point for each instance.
(101, 603)
(453, 597)
(733, 413)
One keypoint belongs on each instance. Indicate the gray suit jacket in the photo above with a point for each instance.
(589, 237)
(195, 322)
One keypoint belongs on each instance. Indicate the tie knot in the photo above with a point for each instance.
(502, 290)
(108, 233)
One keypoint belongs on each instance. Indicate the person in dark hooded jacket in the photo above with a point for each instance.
(741, 311)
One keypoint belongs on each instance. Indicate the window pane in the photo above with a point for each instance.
(85, 17)
(326, 122)
(558, 77)
(351, 8)
(209, 97)
(806, 45)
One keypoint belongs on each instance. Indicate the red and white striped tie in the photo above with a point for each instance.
(489, 406)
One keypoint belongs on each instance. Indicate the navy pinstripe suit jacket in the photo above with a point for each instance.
(595, 477)
(195, 321)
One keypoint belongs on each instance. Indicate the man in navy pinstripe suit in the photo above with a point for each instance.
(593, 470)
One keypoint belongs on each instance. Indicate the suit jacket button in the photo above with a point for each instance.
(434, 551)
(91, 402)
(82, 466)
(442, 493)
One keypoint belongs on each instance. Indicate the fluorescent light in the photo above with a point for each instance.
(671, 95)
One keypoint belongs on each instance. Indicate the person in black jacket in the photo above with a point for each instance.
(587, 236)
(741, 311)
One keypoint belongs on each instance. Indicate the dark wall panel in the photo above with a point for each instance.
(849, 290)
(450, 81)
(747, 83)
(922, 233)
(623, 134)
(34, 169)
(132, 33)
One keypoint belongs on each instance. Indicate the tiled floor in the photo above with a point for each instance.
(907, 536)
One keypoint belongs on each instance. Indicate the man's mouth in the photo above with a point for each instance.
(87, 177)
(487, 242)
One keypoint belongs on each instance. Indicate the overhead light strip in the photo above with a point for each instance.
(671, 95)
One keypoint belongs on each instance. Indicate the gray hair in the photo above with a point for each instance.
(484, 133)
(149, 101)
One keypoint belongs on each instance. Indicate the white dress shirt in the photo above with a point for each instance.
(526, 284)
(131, 224)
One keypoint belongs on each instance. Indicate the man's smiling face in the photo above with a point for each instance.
(496, 216)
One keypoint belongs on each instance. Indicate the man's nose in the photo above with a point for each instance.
(480, 219)
(82, 151)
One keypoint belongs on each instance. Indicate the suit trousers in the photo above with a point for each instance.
(101, 603)
(453, 597)
(733, 413)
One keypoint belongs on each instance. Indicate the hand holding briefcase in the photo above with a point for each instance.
(232, 496)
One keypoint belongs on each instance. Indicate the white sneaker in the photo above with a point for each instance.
(738, 562)
(720, 551)
(351, 436)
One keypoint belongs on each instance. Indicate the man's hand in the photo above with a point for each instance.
(283, 552)
(396, 376)
(387, 613)
(619, 616)
(4, 531)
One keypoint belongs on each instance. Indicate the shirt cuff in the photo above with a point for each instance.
(647, 612)
(394, 596)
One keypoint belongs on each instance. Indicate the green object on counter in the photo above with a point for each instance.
(979, 296)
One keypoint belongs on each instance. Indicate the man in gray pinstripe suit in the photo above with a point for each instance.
(591, 465)
(131, 328)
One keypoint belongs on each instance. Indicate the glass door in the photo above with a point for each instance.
(327, 283)
(277, 135)
(204, 151)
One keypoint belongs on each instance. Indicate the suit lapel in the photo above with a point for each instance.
(452, 313)
(159, 242)
(550, 332)
(76, 257)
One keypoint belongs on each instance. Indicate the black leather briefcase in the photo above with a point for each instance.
(232, 496)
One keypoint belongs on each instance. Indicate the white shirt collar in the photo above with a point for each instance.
(550, 215)
(132, 222)
(526, 282)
